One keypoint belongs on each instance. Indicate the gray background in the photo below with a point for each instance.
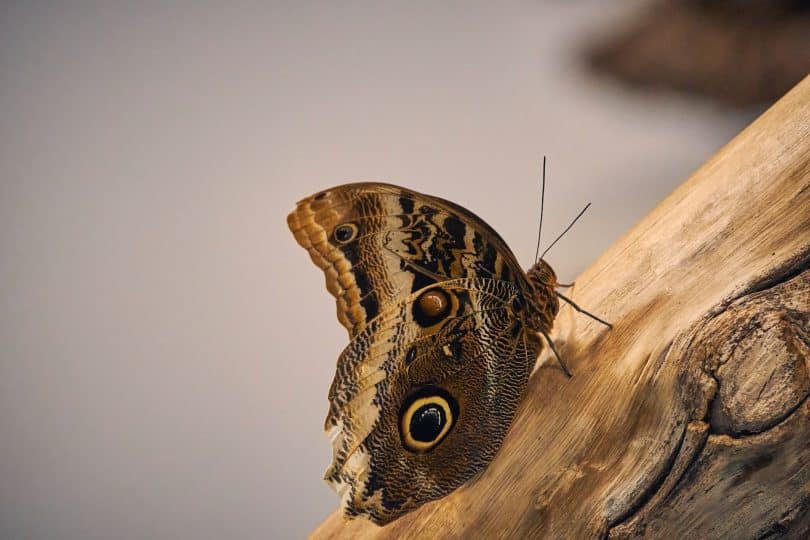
(165, 347)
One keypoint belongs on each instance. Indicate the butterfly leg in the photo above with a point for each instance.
(563, 365)
(576, 307)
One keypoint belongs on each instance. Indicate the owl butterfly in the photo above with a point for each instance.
(444, 331)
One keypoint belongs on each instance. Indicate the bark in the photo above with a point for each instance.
(690, 418)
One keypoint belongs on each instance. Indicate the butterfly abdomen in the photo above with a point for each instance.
(542, 302)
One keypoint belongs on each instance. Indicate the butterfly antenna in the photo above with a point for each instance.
(576, 307)
(542, 200)
(559, 358)
(566, 229)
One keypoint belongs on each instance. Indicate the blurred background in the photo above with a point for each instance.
(165, 347)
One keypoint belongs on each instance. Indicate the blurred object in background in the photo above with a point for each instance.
(739, 53)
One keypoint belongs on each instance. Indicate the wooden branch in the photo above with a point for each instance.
(690, 419)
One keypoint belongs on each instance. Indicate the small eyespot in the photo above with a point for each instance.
(452, 350)
(345, 233)
(426, 209)
(410, 356)
(427, 418)
(518, 304)
(431, 307)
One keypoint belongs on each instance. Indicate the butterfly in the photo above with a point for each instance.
(444, 329)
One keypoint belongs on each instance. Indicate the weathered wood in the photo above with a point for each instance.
(690, 418)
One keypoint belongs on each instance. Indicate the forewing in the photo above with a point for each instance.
(404, 241)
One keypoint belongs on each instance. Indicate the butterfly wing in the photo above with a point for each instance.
(378, 242)
(439, 352)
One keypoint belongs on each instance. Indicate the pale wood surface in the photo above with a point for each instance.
(690, 418)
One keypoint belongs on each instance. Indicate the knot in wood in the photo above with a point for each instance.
(758, 351)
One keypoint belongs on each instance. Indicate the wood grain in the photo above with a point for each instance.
(690, 418)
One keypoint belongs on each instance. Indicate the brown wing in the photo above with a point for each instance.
(428, 293)
(477, 359)
(378, 243)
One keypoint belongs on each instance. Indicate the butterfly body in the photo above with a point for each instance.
(444, 332)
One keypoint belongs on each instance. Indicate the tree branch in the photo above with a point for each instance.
(690, 418)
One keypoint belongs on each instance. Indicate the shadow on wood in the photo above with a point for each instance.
(690, 418)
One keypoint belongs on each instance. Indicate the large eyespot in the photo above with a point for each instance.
(426, 418)
(345, 233)
(431, 307)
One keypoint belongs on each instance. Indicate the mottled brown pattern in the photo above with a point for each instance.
(382, 248)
